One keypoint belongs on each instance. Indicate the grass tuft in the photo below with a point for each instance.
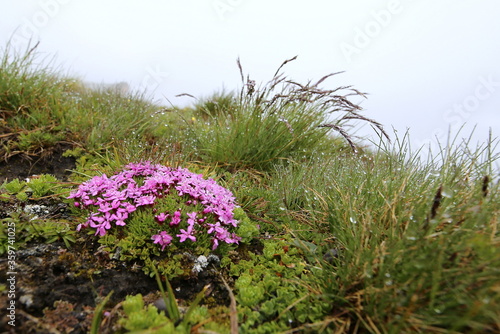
(279, 122)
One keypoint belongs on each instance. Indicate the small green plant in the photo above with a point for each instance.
(28, 228)
(38, 139)
(33, 188)
(14, 187)
(269, 296)
(98, 313)
(139, 317)
(44, 185)
(53, 231)
(33, 218)
(9, 226)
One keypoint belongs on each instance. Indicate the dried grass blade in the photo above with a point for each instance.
(233, 315)
(283, 64)
(326, 77)
(342, 132)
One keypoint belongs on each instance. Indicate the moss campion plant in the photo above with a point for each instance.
(174, 205)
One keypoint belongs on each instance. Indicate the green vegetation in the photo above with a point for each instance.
(32, 214)
(39, 108)
(282, 121)
(337, 237)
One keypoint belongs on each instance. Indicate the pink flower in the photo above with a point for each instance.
(101, 228)
(119, 216)
(88, 201)
(186, 234)
(161, 217)
(234, 239)
(215, 228)
(80, 226)
(163, 239)
(104, 206)
(176, 219)
(192, 218)
(145, 200)
(128, 207)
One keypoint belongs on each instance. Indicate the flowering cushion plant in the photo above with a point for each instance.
(172, 205)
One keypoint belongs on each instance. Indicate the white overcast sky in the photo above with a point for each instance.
(427, 65)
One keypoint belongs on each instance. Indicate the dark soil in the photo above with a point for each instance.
(50, 162)
(57, 289)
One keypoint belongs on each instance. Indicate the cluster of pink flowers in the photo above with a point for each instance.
(113, 200)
